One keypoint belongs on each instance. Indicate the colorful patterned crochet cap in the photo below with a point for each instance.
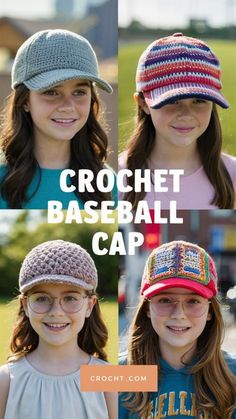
(59, 262)
(179, 264)
(179, 67)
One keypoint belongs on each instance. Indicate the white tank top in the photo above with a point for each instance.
(35, 395)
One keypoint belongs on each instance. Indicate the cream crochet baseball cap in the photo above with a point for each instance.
(59, 262)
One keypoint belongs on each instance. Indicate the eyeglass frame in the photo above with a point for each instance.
(176, 302)
(26, 297)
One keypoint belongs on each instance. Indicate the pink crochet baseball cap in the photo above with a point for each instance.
(179, 264)
(59, 262)
(179, 67)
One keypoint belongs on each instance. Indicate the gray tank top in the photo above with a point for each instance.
(34, 395)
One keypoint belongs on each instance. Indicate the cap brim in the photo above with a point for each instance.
(157, 98)
(56, 279)
(179, 283)
(53, 77)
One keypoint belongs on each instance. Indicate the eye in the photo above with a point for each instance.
(198, 101)
(174, 102)
(69, 298)
(41, 298)
(164, 300)
(50, 92)
(193, 301)
(80, 92)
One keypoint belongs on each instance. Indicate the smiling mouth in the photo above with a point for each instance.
(178, 330)
(183, 129)
(65, 122)
(56, 326)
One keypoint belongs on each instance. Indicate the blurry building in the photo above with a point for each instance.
(105, 30)
(64, 9)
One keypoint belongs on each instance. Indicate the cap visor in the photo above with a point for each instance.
(53, 77)
(156, 98)
(56, 279)
(178, 283)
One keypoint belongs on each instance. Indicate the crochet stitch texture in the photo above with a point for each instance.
(52, 56)
(60, 262)
(176, 261)
(178, 67)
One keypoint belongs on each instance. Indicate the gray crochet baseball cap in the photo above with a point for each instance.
(55, 55)
(59, 262)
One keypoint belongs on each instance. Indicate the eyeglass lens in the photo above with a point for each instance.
(42, 303)
(192, 307)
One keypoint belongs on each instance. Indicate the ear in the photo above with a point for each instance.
(91, 303)
(148, 311)
(141, 102)
(209, 316)
(26, 107)
(24, 305)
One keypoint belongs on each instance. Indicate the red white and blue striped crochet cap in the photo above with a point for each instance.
(179, 67)
(179, 264)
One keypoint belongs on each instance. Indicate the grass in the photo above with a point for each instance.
(110, 314)
(7, 316)
(128, 58)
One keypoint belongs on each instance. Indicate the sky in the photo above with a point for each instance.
(168, 13)
(163, 13)
(39, 8)
(26, 8)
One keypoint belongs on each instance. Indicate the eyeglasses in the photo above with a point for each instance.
(42, 303)
(192, 306)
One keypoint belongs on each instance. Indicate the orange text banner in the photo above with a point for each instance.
(118, 378)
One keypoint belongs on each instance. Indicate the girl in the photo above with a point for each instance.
(178, 86)
(178, 326)
(51, 121)
(59, 327)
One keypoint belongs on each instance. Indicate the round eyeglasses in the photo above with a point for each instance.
(192, 306)
(42, 303)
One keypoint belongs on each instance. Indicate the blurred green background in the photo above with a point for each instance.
(128, 58)
(20, 231)
(26, 229)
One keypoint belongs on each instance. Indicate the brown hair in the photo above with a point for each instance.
(214, 382)
(209, 146)
(92, 338)
(88, 149)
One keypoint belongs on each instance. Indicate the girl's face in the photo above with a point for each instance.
(57, 327)
(177, 329)
(180, 123)
(59, 112)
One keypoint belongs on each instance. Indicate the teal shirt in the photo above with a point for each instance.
(48, 190)
(175, 396)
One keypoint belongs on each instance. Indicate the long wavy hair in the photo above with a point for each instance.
(209, 146)
(92, 338)
(88, 149)
(214, 383)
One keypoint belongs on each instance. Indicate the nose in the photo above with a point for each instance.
(184, 111)
(56, 308)
(178, 311)
(66, 104)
